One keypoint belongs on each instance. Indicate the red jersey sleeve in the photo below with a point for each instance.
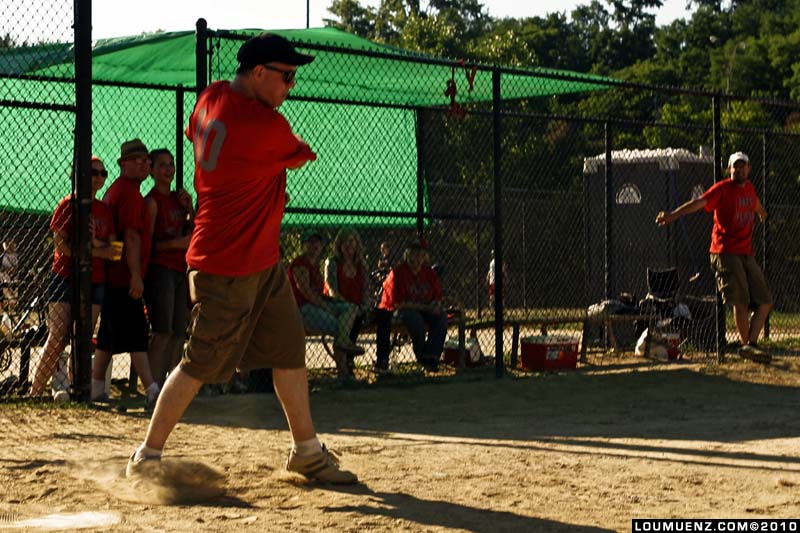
(387, 300)
(62, 216)
(131, 214)
(436, 286)
(713, 195)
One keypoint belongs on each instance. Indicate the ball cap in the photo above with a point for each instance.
(268, 48)
(738, 156)
(309, 234)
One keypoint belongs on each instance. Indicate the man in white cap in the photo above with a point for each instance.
(244, 315)
(739, 278)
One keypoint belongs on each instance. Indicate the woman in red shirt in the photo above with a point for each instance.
(346, 279)
(59, 289)
(165, 291)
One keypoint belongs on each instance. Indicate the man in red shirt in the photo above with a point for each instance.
(244, 315)
(123, 324)
(412, 289)
(739, 278)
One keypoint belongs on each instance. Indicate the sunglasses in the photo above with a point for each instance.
(96, 172)
(288, 75)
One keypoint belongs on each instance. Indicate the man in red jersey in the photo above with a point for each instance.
(412, 289)
(739, 278)
(244, 315)
(123, 324)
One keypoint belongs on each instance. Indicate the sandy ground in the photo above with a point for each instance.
(576, 451)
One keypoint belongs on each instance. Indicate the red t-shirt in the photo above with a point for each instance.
(103, 230)
(314, 277)
(352, 289)
(168, 225)
(127, 205)
(242, 149)
(734, 207)
(402, 286)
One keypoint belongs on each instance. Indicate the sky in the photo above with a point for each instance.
(51, 19)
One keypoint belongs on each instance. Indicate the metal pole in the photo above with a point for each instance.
(717, 133)
(498, 225)
(420, 176)
(478, 276)
(82, 256)
(201, 55)
(308, 13)
(179, 137)
(765, 224)
(609, 210)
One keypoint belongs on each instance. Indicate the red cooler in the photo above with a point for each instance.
(548, 352)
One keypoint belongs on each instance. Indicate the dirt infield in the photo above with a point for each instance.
(580, 451)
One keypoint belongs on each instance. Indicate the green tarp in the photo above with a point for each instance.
(367, 154)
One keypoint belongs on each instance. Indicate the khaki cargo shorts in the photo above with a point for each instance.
(740, 280)
(244, 322)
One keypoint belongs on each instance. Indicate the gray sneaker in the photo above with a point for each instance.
(146, 467)
(322, 466)
(754, 353)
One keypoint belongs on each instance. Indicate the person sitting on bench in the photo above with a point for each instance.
(412, 290)
(321, 313)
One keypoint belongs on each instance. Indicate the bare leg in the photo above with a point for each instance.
(179, 391)
(758, 321)
(291, 386)
(159, 356)
(58, 317)
(741, 315)
(142, 366)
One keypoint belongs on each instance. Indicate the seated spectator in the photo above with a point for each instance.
(9, 263)
(165, 288)
(383, 259)
(412, 290)
(346, 279)
(321, 313)
(60, 287)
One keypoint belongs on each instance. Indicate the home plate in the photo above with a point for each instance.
(66, 521)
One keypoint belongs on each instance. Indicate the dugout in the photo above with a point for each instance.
(623, 240)
(357, 104)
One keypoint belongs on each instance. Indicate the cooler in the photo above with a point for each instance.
(472, 355)
(548, 352)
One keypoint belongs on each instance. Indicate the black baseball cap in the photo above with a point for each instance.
(269, 47)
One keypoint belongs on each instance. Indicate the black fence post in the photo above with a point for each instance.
(765, 224)
(477, 251)
(179, 137)
(82, 188)
(420, 175)
(717, 133)
(498, 224)
(201, 55)
(608, 211)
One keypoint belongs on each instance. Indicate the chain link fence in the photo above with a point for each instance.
(533, 193)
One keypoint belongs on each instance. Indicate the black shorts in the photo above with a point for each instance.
(123, 325)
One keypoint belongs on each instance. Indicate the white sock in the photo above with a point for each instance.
(98, 387)
(152, 391)
(143, 452)
(307, 447)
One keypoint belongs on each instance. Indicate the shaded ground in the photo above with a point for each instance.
(579, 451)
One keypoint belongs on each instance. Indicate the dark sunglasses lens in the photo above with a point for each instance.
(103, 173)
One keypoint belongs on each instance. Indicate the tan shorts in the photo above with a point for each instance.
(242, 322)
(740, 280)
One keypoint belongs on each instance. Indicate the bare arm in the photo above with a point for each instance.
(760, 211)
(689, 207)
(332, 279)
(303, 281)
(133, 251)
